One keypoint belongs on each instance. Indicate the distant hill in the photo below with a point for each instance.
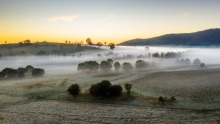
(209, 37)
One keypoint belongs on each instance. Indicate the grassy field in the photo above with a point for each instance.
(46, 100)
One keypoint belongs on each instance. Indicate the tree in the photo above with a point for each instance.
(99, 44)
(117, 66)
(112, 46)
(89, 41)
(81, 66)
(105, 66)
(92, 65)
(74, 90)
(202, 65)
(2, 75)
(101, 89)
(115, 90)
(128, 88)
(9, 72)
(141, 64)
(196, 62)
(127, 66)
(38, 72)
(187, 61)
(110, 61)
(21, 72)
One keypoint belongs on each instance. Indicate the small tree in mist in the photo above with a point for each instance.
(128, 88)
(141, 64)
(117, 66)
(202, 65)
(74, 90)
(196, 62)
(127, 66)
(105, 66)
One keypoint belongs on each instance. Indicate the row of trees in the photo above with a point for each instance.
(102, 89)
(21, 72)
(187, 61)
(107, 65)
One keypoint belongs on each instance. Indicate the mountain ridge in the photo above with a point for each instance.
(209, 37)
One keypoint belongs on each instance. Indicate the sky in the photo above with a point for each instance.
(103, 20)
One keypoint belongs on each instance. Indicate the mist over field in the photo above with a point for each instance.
(54, 64)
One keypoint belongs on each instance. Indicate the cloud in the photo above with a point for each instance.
(183, 15)
(69, 18)
(109, 17)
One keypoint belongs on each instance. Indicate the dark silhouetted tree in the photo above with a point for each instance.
(112, 46)
(38, 72)
(89, 41)
(101, 89)
(115, 90)
(128, 88)
(74, 90)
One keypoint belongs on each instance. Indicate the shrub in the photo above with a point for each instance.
(115, 90)
(38, 72)
(9, 72)
(128, 88)
(74, 90)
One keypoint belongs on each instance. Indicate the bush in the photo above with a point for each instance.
(9, 72)
(115, 90)
(74, 90)
(38, 72)
(128, 88)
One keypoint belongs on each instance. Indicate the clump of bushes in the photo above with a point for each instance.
(74, 90)
(105, 89)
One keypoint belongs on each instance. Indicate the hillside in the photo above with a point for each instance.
(43, 48)
(209, 37)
